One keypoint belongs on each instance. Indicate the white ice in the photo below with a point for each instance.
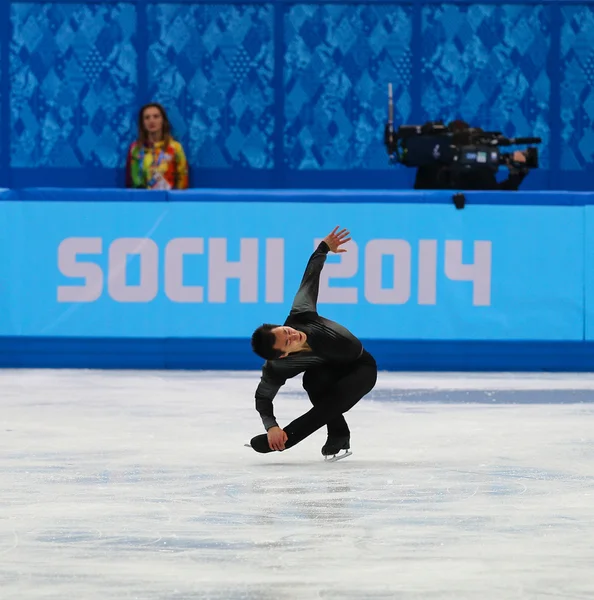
(121, 485)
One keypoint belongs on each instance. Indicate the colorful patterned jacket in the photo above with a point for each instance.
(157, 168)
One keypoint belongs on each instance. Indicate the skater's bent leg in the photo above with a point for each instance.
(318, 384)
(338, 427)
(348, 388)
(341, 398)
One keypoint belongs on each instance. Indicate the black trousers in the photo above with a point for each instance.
(333, 390)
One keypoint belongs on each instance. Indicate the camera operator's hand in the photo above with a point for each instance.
(516, 163)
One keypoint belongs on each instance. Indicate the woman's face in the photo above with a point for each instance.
(152, 119)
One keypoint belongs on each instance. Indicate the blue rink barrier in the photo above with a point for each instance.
(358, 196)
(180, 280)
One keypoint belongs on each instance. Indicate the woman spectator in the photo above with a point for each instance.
(155, 160)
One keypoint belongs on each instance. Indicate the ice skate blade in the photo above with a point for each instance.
(337, 456)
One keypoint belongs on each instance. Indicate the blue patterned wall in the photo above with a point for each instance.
(339, 60)
(73, 84)
(283, 94)
(488, 64)
(577, 88)
(213, 66)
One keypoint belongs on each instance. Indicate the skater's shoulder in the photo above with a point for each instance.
(289, 366)
(301, 318)
(271, 369)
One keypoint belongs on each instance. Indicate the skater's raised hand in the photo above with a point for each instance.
(277, 438)
(336, 239)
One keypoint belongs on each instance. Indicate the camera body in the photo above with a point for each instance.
(454, 149)
(434, 144)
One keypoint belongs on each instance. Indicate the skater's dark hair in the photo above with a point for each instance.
(263, 341)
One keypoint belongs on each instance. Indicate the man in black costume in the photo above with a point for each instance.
(337, 370)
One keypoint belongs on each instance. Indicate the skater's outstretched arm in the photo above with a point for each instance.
(306, 298)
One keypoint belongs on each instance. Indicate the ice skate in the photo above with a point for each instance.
(336, 448)
(260, 444)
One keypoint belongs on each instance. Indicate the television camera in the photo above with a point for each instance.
(434, 144)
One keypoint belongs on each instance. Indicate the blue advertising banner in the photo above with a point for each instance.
(213, 269)
(589, 272)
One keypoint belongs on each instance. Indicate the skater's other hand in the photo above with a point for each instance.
(336, 239)
(277, 438)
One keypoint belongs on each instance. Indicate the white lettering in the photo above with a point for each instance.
(247, 269)
(275, 270)
(399, 293)
(174, 270)
(220, 270)
(69, 266)
(427, 291)
(148, 255)
(479, 272)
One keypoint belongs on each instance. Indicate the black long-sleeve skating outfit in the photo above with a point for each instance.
(338, 371)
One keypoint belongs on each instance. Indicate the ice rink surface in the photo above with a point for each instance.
(121, 485)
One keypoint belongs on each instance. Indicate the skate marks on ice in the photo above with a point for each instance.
(136, 485)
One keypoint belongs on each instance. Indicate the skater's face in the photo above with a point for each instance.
(288, 339)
